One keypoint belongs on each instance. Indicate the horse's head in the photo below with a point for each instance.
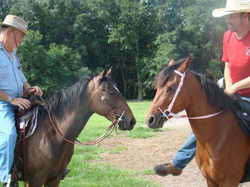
(168, 84)
(108, 101)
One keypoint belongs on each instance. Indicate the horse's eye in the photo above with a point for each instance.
(111, 93)
(170, 88)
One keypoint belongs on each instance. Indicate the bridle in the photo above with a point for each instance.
(167, 113)
(116, 119)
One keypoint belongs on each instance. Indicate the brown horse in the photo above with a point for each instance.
(222, 147)
(48, 154)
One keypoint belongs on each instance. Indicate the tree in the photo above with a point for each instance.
(137, 38)
(53, 69)
(134, 33)
(192, 34)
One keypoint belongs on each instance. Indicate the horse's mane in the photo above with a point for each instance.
(66, 98)
(216, 95)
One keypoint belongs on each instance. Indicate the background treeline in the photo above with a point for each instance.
(72, 38)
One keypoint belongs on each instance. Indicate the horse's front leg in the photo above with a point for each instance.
(33, 183)
(54, 182)
(212, 184)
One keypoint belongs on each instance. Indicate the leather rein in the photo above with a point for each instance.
(166, 113)
(116, 119)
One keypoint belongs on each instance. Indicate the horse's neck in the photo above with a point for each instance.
(199, 106)
(80, 118)
(74, 120)
(197, 101)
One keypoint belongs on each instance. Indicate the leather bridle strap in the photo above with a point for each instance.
(104, 99)
(170, 106)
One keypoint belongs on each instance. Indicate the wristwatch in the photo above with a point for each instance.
(10, 99)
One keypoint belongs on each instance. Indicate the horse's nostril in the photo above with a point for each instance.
(151, 120)
(132, 122)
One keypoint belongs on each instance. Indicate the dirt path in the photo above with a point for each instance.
(144, 154)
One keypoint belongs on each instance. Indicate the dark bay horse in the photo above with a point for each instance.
(48, 154)
(222, 147)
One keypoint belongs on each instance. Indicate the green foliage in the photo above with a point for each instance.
(70, 38)
(51, 69)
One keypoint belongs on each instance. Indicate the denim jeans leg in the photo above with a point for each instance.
(186, 153)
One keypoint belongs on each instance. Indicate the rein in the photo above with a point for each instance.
(170, 106)
(116, 119)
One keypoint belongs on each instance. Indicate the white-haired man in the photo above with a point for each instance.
(12, 86)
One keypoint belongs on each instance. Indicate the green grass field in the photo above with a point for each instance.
(86, 173)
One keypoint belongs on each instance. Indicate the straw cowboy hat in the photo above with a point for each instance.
(17, 23)
(232, 6)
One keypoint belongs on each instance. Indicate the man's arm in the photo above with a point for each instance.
(4, 96)
(232, 88)
(20, 102)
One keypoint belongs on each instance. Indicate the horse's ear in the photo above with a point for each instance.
(171, 62)
(109, 72)
(104, 72)
(185, 65)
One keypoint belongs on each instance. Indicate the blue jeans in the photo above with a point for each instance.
(8, 137)
(186, 153)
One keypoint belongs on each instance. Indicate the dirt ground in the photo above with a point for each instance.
(144, 154)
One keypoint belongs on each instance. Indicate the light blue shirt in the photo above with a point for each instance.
(11, 75)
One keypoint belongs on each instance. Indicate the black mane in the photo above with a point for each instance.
(216, 95)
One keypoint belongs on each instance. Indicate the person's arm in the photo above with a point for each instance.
(20, 102)
(4, 96)
(228, 80)
(232, 88)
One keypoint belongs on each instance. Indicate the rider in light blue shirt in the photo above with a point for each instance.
(12, 86)
(11, 75)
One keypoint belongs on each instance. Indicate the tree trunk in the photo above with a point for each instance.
(139, 81)
(123, 79)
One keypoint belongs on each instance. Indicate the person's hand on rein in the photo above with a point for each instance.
(33, 90)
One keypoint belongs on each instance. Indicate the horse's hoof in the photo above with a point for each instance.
(165, 169)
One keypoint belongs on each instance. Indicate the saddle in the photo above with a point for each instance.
(26, 123)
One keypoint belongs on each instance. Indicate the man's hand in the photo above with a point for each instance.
(33, 90)
(230, 91)
(21, 103)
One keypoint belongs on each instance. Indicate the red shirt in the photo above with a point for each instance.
(237, 53)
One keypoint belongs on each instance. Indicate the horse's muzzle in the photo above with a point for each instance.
(154, 122)
(123, 125)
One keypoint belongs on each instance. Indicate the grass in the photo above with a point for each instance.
(87, 171)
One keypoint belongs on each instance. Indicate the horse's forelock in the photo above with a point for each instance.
(162, 78)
